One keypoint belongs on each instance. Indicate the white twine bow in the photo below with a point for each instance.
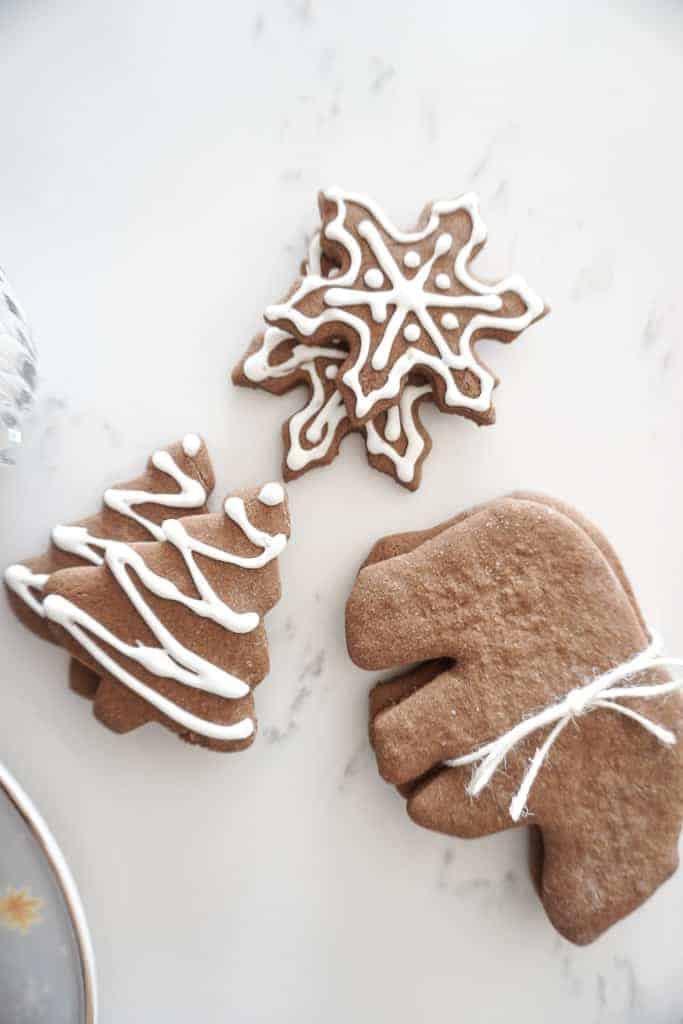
(599, 693)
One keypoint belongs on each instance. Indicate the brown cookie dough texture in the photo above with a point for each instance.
(381, 322)
(507, 608)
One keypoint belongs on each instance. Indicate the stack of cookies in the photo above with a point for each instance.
(380, 322)
(163, 617)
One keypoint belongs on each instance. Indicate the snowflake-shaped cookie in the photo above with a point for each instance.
(404, 302)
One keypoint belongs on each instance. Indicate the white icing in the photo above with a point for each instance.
(76, 540)
(442, 281)
(258, 366)
(412, 259)
(190, 495)
(191, 445)
(171, 659)
(25, 583)
(271, 494)
(415, 444)
(409, 295)
(392, 427)
(327, 414)
(449, 321)
(374, 278)
(314, 255)
(411, 332)
(319, 420)
(320, 417)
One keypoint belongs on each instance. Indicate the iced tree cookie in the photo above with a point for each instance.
(174, 627)
(539, 698)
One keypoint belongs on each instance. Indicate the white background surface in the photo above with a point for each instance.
(157, 180)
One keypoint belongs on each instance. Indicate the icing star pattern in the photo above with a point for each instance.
(404, 302)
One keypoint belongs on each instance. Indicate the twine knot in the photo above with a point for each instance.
(577, 701)
(600, 692)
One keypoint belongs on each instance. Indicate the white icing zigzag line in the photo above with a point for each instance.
(24, 582)
(410, 296)
(190, 495)
(328, 414)
(258, 367)
(327, 417)
(75, 539)
(172, 660)
(377, 445)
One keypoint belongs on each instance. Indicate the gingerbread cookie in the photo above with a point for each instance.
(179, 477)
(541, 700)
(406, 302)
(371, 330)
(174, 627)
(397, 442)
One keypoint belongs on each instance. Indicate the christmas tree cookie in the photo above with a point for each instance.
(161, 603)
(175, 627)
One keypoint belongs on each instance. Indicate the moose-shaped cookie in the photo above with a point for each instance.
(529, 640)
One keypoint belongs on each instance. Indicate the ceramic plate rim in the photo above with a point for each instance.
(55, 858)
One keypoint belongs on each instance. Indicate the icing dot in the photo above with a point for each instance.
(411, 332)
(255, 368)
(442, 281)
(412, 259)
(374, 278)
(331, 372)
(271, 494)
(449, 321)
(191, 445)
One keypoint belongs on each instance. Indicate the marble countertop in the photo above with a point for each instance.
(158, 179)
